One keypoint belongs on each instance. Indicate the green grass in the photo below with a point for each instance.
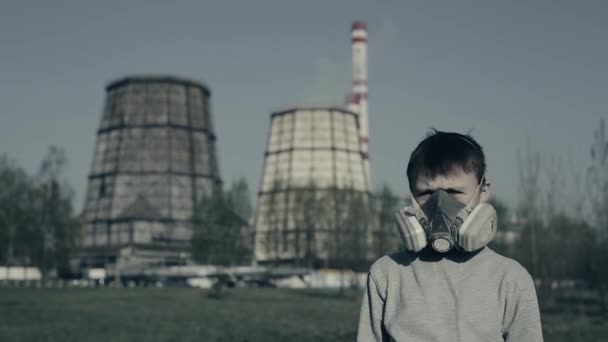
(175, 315)
(190, 315)
(573, 315)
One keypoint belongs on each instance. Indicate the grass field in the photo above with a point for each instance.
(153, 314)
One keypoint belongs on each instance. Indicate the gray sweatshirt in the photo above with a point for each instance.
(424, 297)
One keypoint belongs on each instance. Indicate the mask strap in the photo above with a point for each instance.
(415, 203)
(468, 141)
(469, 206)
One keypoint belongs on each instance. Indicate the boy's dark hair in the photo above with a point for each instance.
(441, 151)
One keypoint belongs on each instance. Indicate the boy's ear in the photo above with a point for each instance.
(486, 192)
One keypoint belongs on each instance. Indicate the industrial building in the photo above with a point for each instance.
(358, 98)
(317, 149)
(314, 151)
(155, 157)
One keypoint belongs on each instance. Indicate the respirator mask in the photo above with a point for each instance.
(446, 223)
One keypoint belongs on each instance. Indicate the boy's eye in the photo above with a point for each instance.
(449, 191)
(422, 198)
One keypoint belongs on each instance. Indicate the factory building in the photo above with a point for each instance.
(357, 101)
(308, 149)
(322, 150)
(155, 157)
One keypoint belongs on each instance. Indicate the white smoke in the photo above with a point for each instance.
(332, 80)
(330, 84)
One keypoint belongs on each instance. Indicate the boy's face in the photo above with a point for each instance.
(458, 183)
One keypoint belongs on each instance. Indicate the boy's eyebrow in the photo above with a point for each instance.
(458, 189)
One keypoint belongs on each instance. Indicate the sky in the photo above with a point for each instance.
(519, 75)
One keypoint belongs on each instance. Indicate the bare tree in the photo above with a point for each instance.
(386, 237)
(219, 237)
(529, 203)
(597, 178)
(272, 211)
(335, 212)
(239, 198)
(553, 170)
(346, 219)
(550, 267)
(577, 201)
(16, 211)
(542, 186)
(57, 224)
(306, 214)
(37, 220)
(358, 225)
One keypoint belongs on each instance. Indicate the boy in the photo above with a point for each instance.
(447, 285)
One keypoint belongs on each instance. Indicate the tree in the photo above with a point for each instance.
(529, 175)
(565, 249)
(306, 212)
(333, 216)
(558, 246)
(386, 237)
(37, 223)
(553, 170)
(206, 233)
(58, 228)
(270, 219)
(597, 178)
(357, 228)
(220, 236)
(16, 212)
(346, 219)
(239, 198)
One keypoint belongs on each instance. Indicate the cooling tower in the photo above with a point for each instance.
(155, 157)
(307, 147)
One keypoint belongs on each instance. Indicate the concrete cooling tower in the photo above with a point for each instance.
(155, 157)
(307, 147)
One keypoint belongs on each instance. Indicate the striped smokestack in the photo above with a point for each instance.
(352, 103)
(359, 93)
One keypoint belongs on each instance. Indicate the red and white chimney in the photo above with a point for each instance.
(353, 102)
(359, 46)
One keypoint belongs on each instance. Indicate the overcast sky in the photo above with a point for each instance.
(510, 71)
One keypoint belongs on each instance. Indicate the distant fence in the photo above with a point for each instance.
(19, 273)
(325, 279)
(47, 283)
(318, 279)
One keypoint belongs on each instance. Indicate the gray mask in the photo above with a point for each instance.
(442, 212)
(446, 223)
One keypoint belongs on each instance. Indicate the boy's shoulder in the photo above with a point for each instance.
(510, 268)
(392, 263)
(403, 258)
(402, 261)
